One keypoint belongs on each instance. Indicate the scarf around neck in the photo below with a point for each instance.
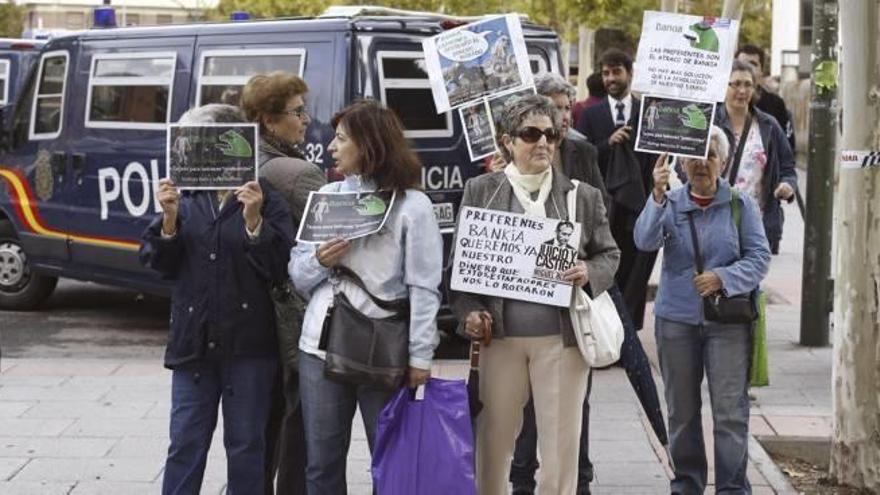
(525, 185)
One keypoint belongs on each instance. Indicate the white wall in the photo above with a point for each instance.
(786, 30)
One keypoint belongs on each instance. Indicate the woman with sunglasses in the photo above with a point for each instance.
(276, 101)
(761, 163)
(533, 346)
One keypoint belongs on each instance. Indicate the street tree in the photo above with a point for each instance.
(11, 19)
(855, 451)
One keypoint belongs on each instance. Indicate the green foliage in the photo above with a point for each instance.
(11, 19)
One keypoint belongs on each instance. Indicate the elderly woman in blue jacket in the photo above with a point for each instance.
(735, 261)
(223, 250)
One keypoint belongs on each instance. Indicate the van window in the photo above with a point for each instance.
(224, 73)
(404, 87)
(48, 106)
(131, 91)
(4, 82)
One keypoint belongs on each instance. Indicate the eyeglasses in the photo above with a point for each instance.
(298, 112)
(532, 134)
(741, 85)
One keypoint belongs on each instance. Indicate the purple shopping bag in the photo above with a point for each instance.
(425, 447)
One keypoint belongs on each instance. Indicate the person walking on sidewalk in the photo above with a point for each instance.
(533, 345)
(221, 249)
(736, 258)
(276, 101)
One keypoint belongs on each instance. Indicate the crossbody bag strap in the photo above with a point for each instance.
(397, 305)
(736, 212)
(571, 199)
(737, 156)
(698, 257)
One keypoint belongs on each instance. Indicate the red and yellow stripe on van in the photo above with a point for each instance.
(22, 198)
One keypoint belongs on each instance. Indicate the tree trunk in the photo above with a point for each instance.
(586, 49)
(733, 9)
(855, 451)
(669, 5)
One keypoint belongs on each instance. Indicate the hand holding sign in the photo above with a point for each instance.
(331, 252)
(251, 196)
(577, 274)
(478, 326)
(661, 178)
(168, 198)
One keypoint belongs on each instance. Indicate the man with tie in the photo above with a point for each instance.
(611, 126)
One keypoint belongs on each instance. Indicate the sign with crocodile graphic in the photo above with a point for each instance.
(349, 215)
(685, 56)
(212, 156)
(677, 127)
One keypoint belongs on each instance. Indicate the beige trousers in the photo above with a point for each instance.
(556, 376)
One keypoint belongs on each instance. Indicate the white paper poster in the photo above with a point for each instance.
(476, 60)
(516, 256)
(685, 56)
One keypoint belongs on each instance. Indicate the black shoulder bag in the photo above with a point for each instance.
(363, 350)
(719, 308)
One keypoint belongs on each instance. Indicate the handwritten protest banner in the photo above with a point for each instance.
(475, 60)
(677, 127)
(211, 156)
(685, 56)
(349, 215)
(514, 256)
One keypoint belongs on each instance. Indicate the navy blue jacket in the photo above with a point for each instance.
(780, 165)
(220, 302)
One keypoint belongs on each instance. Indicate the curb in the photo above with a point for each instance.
(765, 465)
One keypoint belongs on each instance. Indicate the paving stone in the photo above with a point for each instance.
(57, 393)
(804, 426)
(90, 409)
(64, 367)
(11, 409)
(758, 426)
(33, 427)
(93, 427)
(10, 466)
(35, 488)
(622, 451)
(76, 469)
(114, 488)
(32, 381)
(36, 447)
(628, 473)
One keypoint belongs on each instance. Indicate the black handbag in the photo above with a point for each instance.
(362, 350)
(742, 308)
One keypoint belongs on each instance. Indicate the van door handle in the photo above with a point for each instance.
(78, 163)
(59, 163)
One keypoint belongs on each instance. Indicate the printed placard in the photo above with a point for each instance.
(674, 126)
(516, 256)
(476, 60)
(349, 215)
(851, 159)
(479, 131)
(211, 156)
(496, 104)
(685, 56)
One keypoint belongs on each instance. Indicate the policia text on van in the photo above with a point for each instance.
(84, 144)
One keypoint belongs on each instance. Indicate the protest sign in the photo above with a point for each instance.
(475, 60)
(344, 214)
(211, 156)
(685, 56)
(516, 256)
(677, 127)
(478, 129)
(852, 159)
(496, 104)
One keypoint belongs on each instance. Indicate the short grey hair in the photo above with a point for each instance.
(722, 145)
(739, 65)
(518, 109)
(551, 84)
(214, 113)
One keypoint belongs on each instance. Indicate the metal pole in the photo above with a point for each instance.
(817, 287)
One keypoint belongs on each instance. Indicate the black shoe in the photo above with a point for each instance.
(522, 490)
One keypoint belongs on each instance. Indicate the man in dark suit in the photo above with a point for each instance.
(611, 126)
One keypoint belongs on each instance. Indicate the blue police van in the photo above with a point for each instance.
(17, 56)
(83, 145)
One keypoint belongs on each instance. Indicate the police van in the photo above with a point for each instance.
(17, 56)
(83, 146)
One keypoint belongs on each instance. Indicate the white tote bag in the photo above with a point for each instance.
(597, 326)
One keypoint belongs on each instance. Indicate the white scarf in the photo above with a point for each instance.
(526, 185)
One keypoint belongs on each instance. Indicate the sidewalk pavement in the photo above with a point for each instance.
(75, 426)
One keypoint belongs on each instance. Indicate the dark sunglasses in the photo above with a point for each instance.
(532, 134)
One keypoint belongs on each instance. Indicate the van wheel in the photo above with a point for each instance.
(20, 288)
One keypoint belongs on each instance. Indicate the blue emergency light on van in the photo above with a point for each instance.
(104, 17)
(85, 142)
(239, 15)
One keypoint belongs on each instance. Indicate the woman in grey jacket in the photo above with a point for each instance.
(403, 259)
(277, 102)
(535, 348)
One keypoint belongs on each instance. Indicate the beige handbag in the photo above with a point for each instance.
(597, 326)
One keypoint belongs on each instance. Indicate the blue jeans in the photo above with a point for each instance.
(244, 385)
(723, 351)
(328, 409)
